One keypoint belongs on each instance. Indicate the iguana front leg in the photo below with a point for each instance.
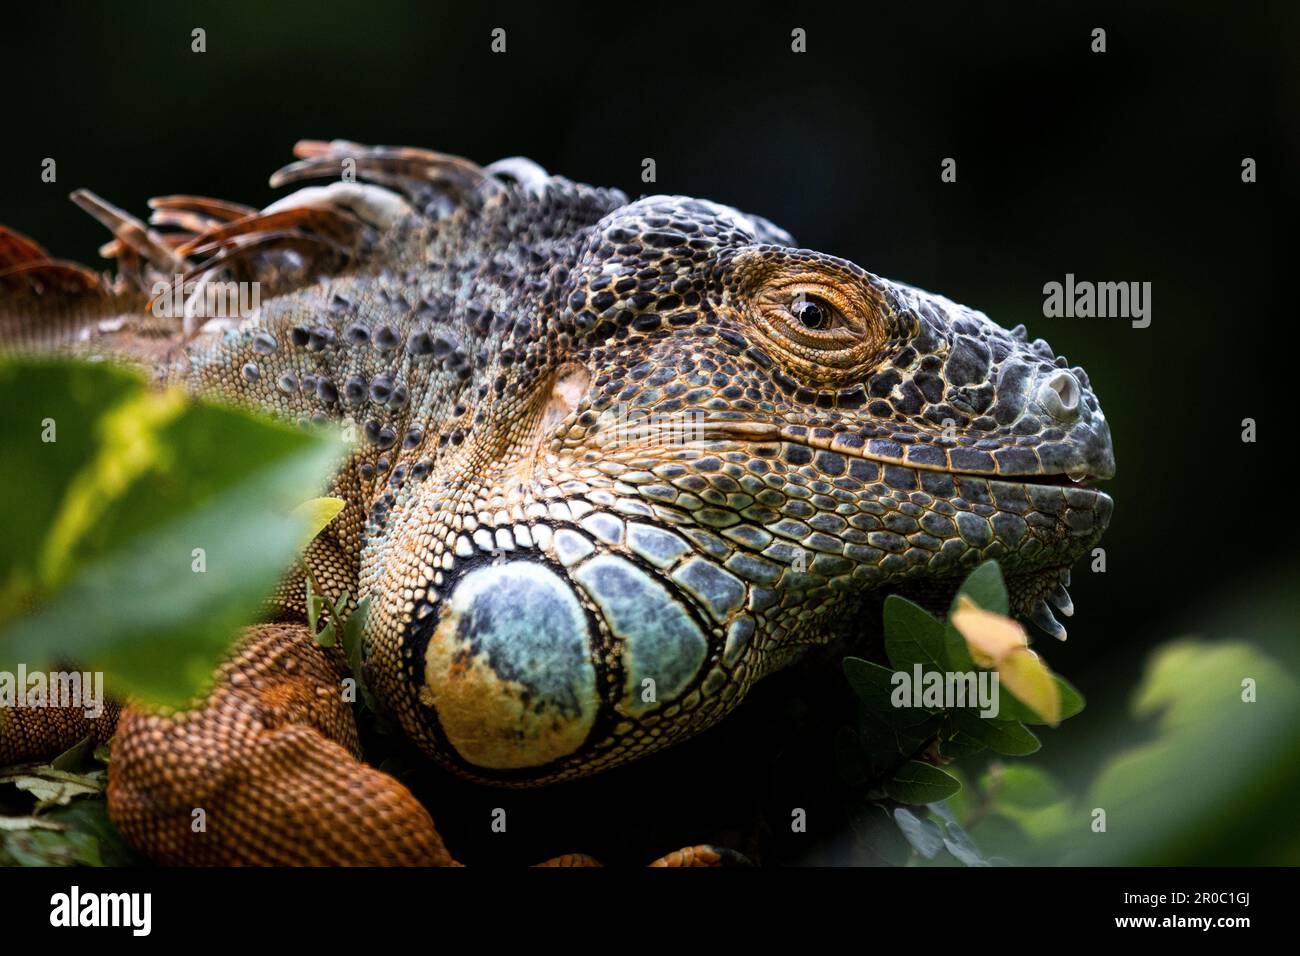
(265, 772)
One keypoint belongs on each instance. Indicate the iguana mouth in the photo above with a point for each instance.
(1060, 480)
(1085, 475)
(757, 432)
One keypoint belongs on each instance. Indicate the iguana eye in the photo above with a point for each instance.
(825, 323)
(812, 318)
(813, 313)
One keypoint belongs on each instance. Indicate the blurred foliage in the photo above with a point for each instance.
(1221, 751)
(1221, 756)
(144, 528)
(1201, 768)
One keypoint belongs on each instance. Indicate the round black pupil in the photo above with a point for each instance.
(810, 314)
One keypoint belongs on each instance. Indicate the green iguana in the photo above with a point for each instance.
(614, 462)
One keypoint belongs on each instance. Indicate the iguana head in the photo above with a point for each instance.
(688, 450)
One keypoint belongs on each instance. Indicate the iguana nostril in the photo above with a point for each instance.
(1060, 394)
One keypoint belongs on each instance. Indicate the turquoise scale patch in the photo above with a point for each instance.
(660, 641)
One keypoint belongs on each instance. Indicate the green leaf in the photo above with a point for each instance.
(14, 824)
(1012, 709)
(961, 846)
(314, 604)
(76, 756)
(53, 787)
(923, 833)
(912, 636)
(1072, 701)
(1002, 736)
(960, 804)
(47, 847)
(90, 817)
(878, 833)
(884, 741)
(961, 744)
(954, 741)
(943, 810)
(60, 406)
(915, 720)
(956, 653)
(986, 588)
(353, 646)
(918, 782)
(871, 682)
(151, 528)
(316, 513)
(1023, 786)
(1214, 761)
(885, 730)
(353, 631)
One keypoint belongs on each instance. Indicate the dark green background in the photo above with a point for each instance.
(1122, 167)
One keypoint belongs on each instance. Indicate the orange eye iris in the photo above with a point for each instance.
(813, 319)
(824, 320)
(826, 332)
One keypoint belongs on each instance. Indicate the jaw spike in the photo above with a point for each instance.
(1043, 617)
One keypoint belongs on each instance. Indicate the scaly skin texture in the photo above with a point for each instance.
(614, 463)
